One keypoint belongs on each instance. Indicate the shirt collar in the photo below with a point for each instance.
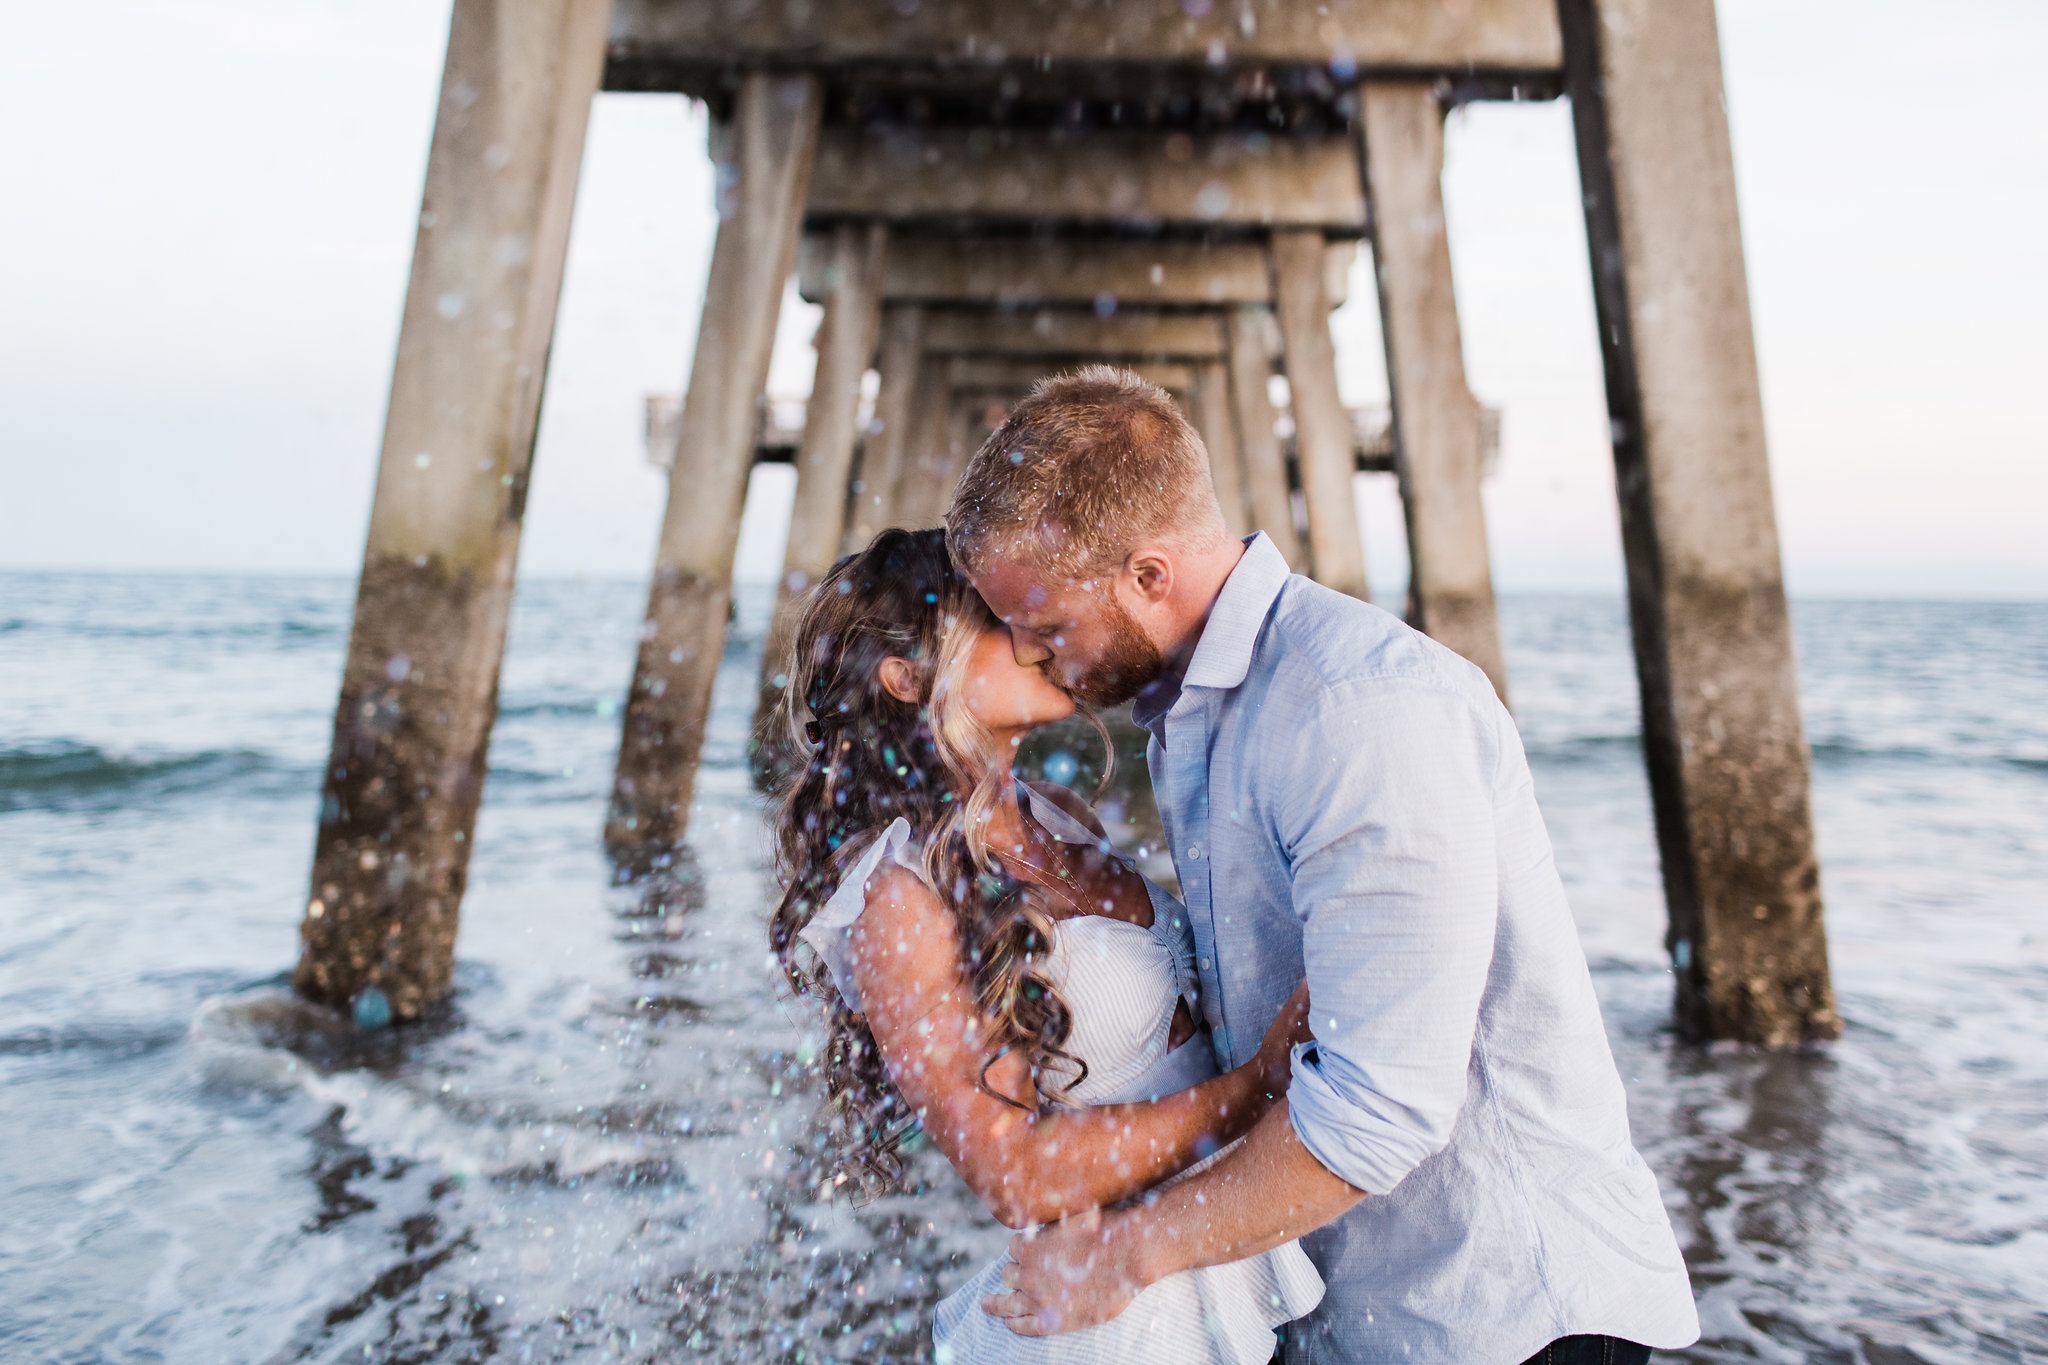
(1223, 656)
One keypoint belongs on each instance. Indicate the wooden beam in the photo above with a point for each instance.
(945, 175)
(1031, 272)
(1104, 49)
(990, 374)
(1436, 424)
(1075, 332)
(1325, 449)
(419, 687)
(683, 638)
(1722, 736)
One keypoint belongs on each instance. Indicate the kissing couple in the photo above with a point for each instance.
(1349, 1097)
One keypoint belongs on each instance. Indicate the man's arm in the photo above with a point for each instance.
(1086, 1270)
(1027, 1166)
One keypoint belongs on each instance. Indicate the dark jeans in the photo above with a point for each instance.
(1580, 1351)
(1591, 1351)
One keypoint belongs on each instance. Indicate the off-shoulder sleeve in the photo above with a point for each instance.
(830, 932)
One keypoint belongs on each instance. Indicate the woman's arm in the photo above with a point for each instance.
(1027, 1166)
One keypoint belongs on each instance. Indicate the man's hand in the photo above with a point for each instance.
(1087, 1269)
(1290, 1026)
(1068, 1275)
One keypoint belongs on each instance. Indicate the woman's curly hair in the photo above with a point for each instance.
(872, 758)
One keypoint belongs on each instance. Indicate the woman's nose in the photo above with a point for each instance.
(1028, 652)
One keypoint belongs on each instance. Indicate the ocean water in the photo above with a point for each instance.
(605, 1152)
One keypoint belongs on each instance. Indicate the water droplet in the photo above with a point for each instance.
(371, 1010)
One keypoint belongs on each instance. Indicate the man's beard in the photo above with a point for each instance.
(1129, 663)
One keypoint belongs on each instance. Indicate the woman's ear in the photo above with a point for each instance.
(899, 679)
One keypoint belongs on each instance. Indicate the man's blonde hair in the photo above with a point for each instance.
(1086, 468)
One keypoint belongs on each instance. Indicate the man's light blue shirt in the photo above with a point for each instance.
(1348, 800)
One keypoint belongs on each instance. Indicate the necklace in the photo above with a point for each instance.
(1053, 885)
(1058, 880)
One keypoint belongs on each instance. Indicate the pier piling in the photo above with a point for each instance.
(1217, 424)
(1436, 419)
(1323, 446)
(817, 516)
(768, 152)
(1268, 498)
(1722, 734)
(419, 688)
(882, 454)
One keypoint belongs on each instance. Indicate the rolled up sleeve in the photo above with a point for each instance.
(1387, 818)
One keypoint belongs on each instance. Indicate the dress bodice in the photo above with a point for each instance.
(1121, 981)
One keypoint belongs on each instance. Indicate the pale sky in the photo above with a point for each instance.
(206, 218)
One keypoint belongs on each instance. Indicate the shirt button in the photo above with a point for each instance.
(1195, 852)
(1205, 964)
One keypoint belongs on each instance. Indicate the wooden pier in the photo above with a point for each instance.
(977, 194)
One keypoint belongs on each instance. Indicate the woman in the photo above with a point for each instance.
(995, 973)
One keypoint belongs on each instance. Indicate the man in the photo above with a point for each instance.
(1349, 801)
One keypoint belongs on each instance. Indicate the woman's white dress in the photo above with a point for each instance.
(1122, 983)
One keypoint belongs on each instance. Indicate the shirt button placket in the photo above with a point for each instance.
(1198, 881)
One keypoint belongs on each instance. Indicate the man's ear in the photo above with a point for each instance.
(1149, 573)
(899, 679)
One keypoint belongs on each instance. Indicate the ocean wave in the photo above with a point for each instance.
(1834, 752)
(66, 776)
(113, 1040)
(292, 633)
(63, 775)
(1583, 748)
(268, 1040)
(606, 708)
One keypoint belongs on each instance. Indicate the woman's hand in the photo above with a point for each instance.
(1276, 1052)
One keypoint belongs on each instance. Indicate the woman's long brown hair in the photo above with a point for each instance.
(875, 758)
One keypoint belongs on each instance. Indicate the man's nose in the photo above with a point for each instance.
(1028, 651)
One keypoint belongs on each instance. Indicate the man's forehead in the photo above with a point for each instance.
(1016, 592)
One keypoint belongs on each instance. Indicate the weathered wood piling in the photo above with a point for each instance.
(988, 192)
(1436, 419)
(899, 367)
(1269, 499)
(1722, 736)
(1322, 429)
(419, 690)
(769, 143)
(851, 291)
